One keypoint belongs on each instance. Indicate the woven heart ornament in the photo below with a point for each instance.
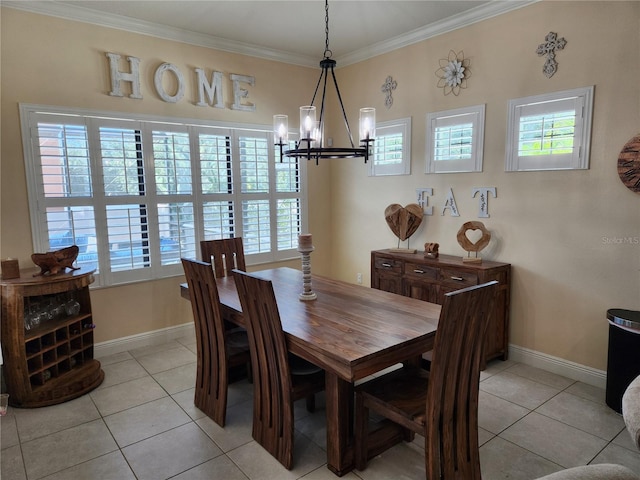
(403, 221)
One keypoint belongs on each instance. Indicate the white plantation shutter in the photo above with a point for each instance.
(391, 148)
(455, 140)
(550, 131)
(137, 195)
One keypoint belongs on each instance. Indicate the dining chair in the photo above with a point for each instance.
(441, 404)
(218, 348)
(279, 378)
(224, 254)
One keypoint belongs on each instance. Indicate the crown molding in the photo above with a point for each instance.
(119, 22)
(478, 14)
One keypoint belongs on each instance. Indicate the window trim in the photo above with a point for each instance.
(403, 126)
(38, 204)
(473, 114)
(582, 98)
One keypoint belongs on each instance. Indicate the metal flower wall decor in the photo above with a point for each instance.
(453, 72)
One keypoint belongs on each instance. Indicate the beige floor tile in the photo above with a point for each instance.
(170, 453)
(220, 467)
(114, 358)
(496, 366)
(130, 394)
(177, 379)
(586, 415)
(623, 439)
(58, 451)
(323, 473)
(560, 443)
(400, 462)
(185, 400)
(484, 436)
(237, 430)
(144, 421)
(258, 464)
(314, 426)
(167, 359)
(8, 430)
(37, 422)
(503, 460)
(496, 414)
(120, 372)
(11, 464)
(541, 376)
(111, 466)
(518, 390)
(620, 455)
(155, 348)
(583, 390)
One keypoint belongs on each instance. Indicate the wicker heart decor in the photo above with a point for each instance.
(403, 221)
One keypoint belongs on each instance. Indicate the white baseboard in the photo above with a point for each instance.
(560, 366)
(155, 337)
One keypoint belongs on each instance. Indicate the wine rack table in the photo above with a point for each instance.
(49, 360)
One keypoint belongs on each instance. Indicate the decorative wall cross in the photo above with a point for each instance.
(548, 48)
(388, 86)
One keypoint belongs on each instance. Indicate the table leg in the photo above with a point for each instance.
(339, 394)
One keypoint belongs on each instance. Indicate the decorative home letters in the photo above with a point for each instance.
(213, 91)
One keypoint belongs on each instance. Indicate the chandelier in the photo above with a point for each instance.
(311, 144)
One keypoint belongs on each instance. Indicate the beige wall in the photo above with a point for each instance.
(50, 61)
(549, 225)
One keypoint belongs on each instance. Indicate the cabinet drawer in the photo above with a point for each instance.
(457, 278)
(421, 271)
(388, 264)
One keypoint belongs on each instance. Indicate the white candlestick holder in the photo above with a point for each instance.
(307, 292)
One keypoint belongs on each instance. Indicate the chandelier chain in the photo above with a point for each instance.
(327, 51)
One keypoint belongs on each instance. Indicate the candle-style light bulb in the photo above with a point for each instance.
(280, 129)
(367, 124)
(307, 122)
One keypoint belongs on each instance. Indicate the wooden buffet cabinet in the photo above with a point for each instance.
(47, 338)
(414, 275)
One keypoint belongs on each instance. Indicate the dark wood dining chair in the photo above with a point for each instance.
(279, 378)
(218, 349)
(440, 404)
(224, 254)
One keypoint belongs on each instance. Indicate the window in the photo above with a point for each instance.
(550, 132)
(137, 195)
(392, 148)
(454, 140)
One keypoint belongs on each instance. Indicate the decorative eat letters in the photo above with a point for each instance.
(450, 202)
(483, 207)
(423, 195)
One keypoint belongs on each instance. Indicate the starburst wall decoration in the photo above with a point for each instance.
(453, 72)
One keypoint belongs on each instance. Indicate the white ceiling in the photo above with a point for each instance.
(289, 30)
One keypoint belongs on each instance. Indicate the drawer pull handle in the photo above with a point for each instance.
(386, 265)
(415, 270)
(459, 279)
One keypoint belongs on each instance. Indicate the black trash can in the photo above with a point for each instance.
(623, 362)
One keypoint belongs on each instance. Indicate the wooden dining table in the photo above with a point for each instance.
(351, 331)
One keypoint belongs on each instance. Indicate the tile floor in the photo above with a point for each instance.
(141, 424)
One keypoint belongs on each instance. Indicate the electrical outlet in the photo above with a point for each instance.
(359, 278)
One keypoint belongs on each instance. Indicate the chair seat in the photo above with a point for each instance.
(403, 390)
(299, 366)
(237, 339)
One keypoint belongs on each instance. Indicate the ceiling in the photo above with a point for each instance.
(290, 30)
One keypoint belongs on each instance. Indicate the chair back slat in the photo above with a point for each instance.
(224, 254)
(211, 378)
(273, 407)
(451, 440)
